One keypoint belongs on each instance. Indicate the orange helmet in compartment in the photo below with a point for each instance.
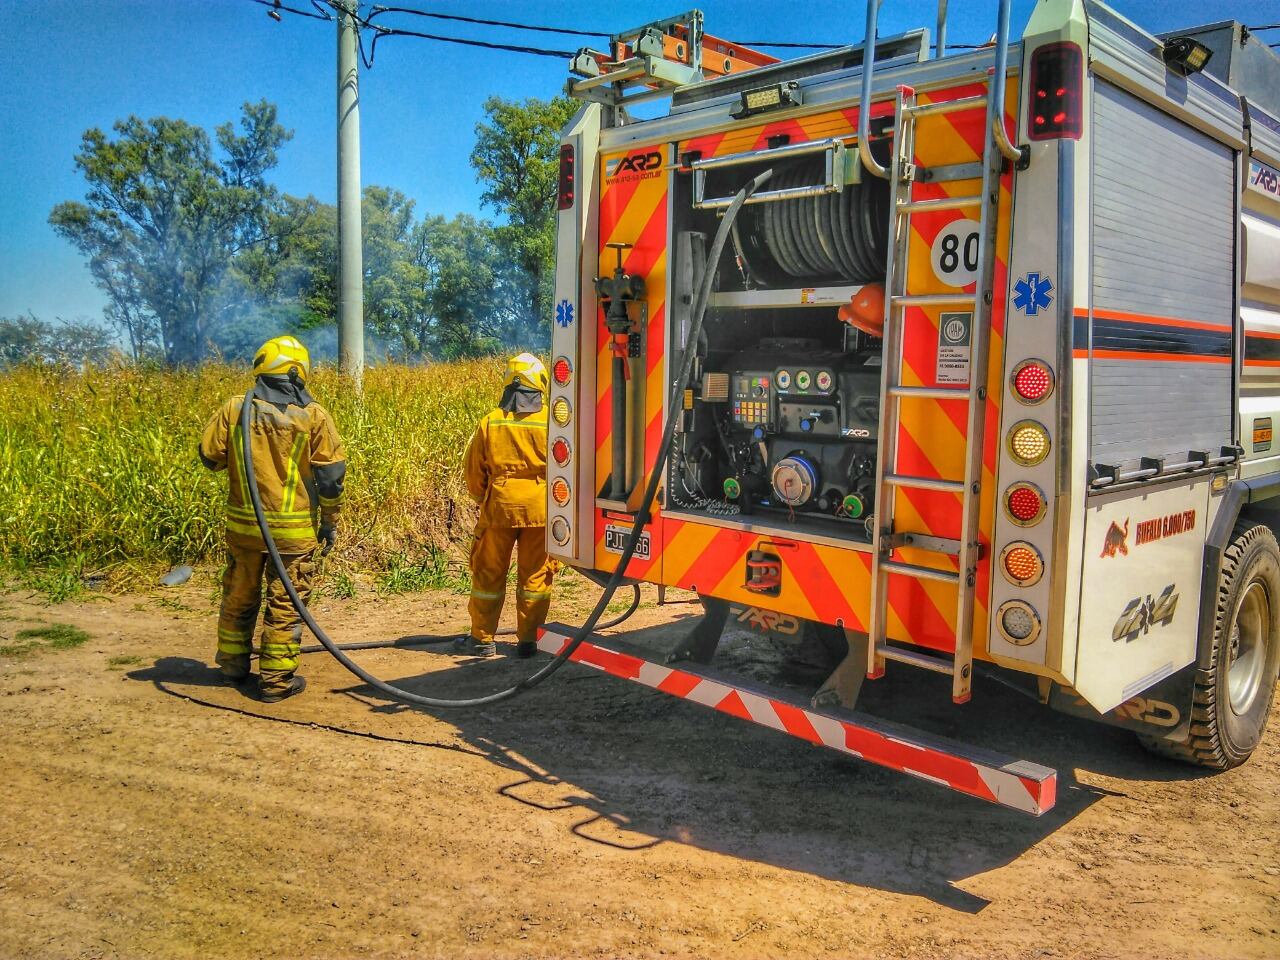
(865, 310)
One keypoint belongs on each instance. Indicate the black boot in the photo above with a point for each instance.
(296, 686)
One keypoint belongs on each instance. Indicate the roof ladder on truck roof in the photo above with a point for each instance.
(901, 174)
(653, 60)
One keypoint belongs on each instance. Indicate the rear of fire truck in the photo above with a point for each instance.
(940, 384)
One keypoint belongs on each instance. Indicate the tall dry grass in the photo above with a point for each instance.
(99, 470)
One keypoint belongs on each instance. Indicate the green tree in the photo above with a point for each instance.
(166, 215)
(473, 289)
(25, 339)
(516, 157)
(287, 283)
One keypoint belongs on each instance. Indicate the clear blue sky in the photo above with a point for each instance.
(75, 64)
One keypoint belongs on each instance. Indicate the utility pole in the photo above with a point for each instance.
(350, 259)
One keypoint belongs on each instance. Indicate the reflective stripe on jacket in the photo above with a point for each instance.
(506, 469)
(300, 466)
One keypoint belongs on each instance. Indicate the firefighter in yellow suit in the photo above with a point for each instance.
(300, 466)
(506, 472)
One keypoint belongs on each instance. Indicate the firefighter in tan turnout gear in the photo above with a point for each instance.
(300, 467)
(506, 472)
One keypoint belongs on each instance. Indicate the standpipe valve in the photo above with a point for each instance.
(617, 292)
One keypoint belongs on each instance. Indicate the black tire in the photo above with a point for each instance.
(1232, 697)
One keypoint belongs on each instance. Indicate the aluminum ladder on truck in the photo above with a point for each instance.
(902, 174)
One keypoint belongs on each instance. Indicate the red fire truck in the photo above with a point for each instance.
(986, 376)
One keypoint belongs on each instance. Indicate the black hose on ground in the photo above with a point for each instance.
(674, 404)
(409, 643)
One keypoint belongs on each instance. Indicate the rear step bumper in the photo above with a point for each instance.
(1018, 784)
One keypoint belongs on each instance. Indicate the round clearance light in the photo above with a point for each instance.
(1032, 381)
(1028, 442)
(1021, 564)
(561, 451)
(1019, 623)
(560, 491)
(560, 530)
(562, 371)
(561, 412)
(1025, 504)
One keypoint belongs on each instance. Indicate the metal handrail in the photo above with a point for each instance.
(785, 151)
(995, 99)
(864, 107)
(996, 102)
(833, 166)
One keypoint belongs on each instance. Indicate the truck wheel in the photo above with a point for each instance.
(1233, 696)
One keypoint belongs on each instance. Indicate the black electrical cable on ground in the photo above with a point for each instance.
(674, 404)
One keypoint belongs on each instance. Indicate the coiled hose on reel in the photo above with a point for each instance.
(674, 403)
(840, 236)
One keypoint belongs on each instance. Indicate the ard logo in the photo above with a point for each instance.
(1116, 542)
(767, 621)
(636, 163)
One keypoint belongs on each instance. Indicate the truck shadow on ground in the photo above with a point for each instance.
(630, 768)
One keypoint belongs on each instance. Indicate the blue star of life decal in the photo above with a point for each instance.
(564, 313)
(1032, 293)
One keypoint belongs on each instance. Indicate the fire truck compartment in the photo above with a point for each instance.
(783, 420)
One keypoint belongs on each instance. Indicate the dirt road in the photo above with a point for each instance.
(149, 811)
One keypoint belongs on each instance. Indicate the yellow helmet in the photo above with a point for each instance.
(527, 370)
(280, 355)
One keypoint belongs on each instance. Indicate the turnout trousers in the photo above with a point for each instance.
(490, 560)
(242, 595)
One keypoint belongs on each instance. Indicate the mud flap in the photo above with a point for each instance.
(1162, 710)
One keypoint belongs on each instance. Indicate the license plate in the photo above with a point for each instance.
(615, 541)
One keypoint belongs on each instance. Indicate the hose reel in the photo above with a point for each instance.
(819, 222)
(838, 237)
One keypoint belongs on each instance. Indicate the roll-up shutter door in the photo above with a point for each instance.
(1163, 250)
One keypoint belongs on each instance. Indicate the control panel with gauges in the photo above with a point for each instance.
(799, 433)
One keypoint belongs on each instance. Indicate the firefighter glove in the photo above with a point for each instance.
(327, 535)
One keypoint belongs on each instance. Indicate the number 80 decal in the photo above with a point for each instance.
(955, 253)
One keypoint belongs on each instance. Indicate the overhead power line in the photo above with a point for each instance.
(380, 31)
(276, 8)
(379, 10)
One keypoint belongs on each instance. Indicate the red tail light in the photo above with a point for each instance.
(1032, 381)
(1057, 81)
(561, 451)
(1025, 504)
(568, 178)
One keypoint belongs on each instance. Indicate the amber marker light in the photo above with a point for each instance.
(1028, 442)
(561, 412)
(560, 491)
(1021, 564)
